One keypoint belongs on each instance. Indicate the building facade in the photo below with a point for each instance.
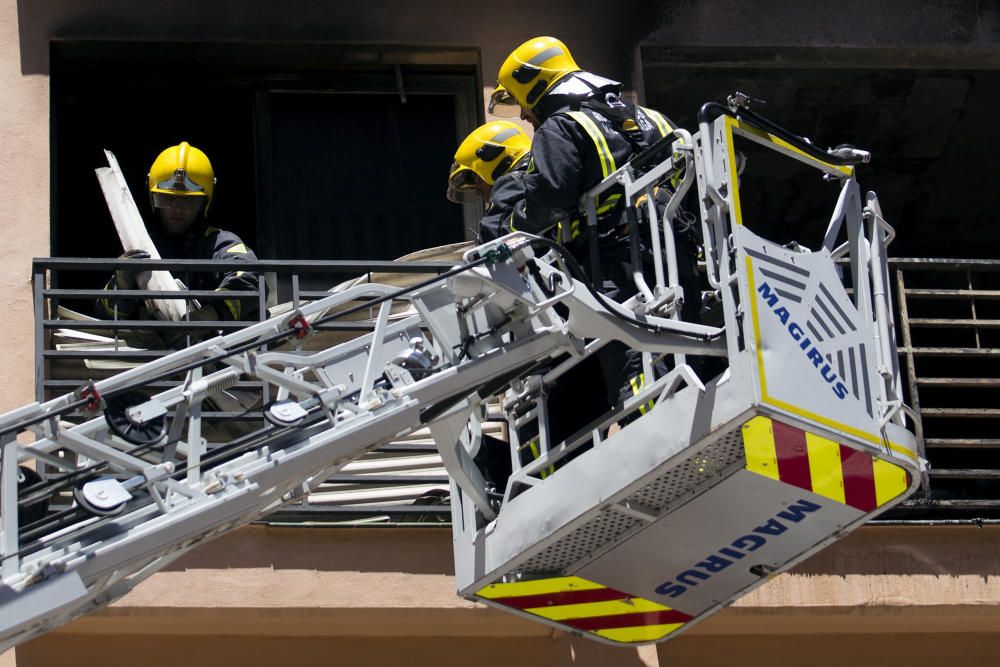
(342, 117)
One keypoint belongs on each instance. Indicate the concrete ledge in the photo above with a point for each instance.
(356, 582)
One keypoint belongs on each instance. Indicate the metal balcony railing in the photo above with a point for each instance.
(948, 334)
(949, 346)
(400, 482)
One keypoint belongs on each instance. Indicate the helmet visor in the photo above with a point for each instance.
(503, 104)
(462, 185)
(184, 202)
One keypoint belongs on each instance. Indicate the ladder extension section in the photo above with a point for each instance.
(130, 485)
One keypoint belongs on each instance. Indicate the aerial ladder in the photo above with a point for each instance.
(636, 525)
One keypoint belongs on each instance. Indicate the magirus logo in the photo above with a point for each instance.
(738, 549)
(805, 343)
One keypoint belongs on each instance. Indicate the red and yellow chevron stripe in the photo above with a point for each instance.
(830, 469)
(589, 607)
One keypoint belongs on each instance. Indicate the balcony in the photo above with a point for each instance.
(947, 314)
(402, 482)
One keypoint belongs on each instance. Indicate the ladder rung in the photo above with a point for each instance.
(386, 480)
(948, 323)
(964, 473)
(408, 449)
(318, 511)
(951, 351)
(975, 413)
(963, 443)
(105, 354)
(953, 293)
(980, 383)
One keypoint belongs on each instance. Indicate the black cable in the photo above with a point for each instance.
(494, 256)
(237, 446)
(252, 439)
(576, 269)
(48, 487)
(244, 443)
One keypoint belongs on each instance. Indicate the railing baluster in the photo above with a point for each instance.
(911, 373)
(972, 304)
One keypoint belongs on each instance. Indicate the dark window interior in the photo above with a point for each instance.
(359, 176)
(136, 119)
(312, 162)
(931, 133)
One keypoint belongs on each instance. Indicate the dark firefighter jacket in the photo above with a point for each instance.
(506, 196)
(580, 141)
(200, 242)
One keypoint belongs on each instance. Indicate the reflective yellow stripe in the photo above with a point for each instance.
(825, 468)
(588, 609)
(234, 305)
(533, 445)
(642, 633)
(574, 229)
(638, 383)
(758, 442)
(847, 170)
(661, 123)
(603, 152)
(238, 248)
(538, 587)
(637, 614)
(890, 481)
(609, 203)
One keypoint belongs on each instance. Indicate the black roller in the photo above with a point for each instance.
(115, 413)
(34, 511)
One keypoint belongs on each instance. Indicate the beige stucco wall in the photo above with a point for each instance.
(378, 596)
(24, 216)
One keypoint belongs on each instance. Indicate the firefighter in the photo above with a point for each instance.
(584, 131)
(490, 165)
(181, 185)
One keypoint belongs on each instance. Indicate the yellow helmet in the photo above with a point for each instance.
(503, 104)
(487, 153)
(534, 67)
(181, 171)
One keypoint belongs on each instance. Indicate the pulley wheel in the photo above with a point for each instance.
(138, 433)
(106, 510)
